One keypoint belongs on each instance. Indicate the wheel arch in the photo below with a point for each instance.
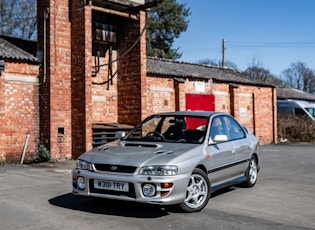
(202, 167)
(257, 160)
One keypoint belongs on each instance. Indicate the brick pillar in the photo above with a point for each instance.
(81, 71)
(232, 100)
(143, 67)
(177, 95)
(55, 88)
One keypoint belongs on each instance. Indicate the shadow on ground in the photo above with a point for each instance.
(108, 207)
(117, 207)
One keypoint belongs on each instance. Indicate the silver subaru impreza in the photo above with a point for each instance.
(175, 158)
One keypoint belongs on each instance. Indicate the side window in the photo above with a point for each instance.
(299, 112)
(234, 130)
(216, 127)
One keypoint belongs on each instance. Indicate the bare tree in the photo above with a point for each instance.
(18, 18)
(299, 76)
(228, 64)
(257, 71)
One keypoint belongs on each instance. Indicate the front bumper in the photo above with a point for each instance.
(163, 195)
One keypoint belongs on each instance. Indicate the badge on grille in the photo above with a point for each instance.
(114, 168)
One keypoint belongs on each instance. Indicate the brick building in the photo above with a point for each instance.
(95, 77)
(19, 106)
(173, 85)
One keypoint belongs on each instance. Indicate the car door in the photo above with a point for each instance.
(222, 154)
(242, 145)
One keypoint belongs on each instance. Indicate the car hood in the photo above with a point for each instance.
(137, 153)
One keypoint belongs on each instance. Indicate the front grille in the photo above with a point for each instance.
(115, 168)
(130, 194)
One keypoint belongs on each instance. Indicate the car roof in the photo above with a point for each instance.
(190, 113)
(297, 102)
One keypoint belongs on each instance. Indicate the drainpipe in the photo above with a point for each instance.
(24, 148)
(46, 15)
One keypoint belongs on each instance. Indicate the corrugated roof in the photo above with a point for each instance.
(8, 50)
(171, 68)
(291, 93)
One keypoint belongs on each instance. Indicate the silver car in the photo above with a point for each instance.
(175, 158)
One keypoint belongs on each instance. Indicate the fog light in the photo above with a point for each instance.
(148, 190)
(81, 183)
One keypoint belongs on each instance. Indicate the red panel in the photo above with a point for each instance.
(200, 102)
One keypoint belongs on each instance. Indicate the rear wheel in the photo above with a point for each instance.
(197, 193)
(251, 173)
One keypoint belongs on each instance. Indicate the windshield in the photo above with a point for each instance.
(184, 129)
(311, 111)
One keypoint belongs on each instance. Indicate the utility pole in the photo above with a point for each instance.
(223, 52)
(2, 18)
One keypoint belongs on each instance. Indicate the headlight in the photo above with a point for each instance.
(84, 165)
(159, 170)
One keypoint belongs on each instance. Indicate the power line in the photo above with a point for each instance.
(291, 44)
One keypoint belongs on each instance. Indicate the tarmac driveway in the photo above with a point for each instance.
(39, 197)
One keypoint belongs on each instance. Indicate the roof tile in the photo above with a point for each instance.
(11, 51)
(173, 68)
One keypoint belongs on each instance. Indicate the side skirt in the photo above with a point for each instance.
(228, 183)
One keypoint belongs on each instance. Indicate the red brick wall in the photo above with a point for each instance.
(19, 111)
(131, 73)
(104, 79)
(56, 90)
(254, 107)
(66, 96)
(161, 95)
(72, 97)
(104, 92)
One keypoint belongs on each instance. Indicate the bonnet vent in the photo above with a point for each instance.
(141, 145)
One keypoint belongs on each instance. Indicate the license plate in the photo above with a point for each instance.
(111, 185)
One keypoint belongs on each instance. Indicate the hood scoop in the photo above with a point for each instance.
(141, 145)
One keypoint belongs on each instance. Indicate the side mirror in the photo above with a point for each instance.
(218, 139)
(120, 134)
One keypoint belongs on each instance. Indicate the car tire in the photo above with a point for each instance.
(198, 192)
(251, 173)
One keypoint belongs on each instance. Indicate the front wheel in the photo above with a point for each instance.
(251, 173)
(197, 193)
